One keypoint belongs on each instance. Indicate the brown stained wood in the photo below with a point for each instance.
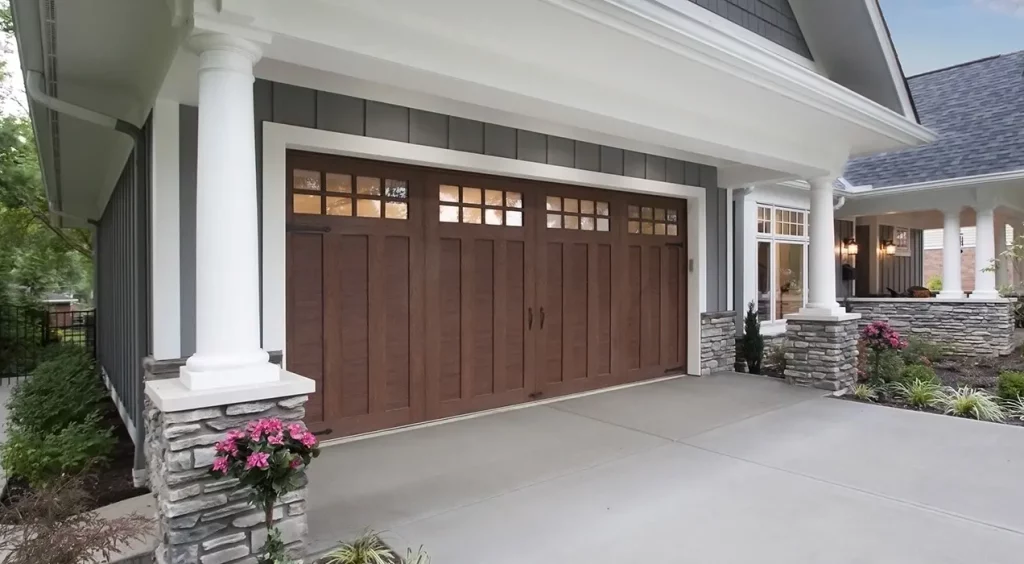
(407, 320)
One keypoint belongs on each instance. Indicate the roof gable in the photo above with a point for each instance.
(976, 108)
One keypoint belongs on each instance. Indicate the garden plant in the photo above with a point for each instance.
(753, 342)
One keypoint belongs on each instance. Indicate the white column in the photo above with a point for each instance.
(228, 349)
(1002, 264)
(951, 255)
(749, 281)
(984, 253)
(821, 262)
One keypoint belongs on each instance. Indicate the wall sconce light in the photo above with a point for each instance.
(851, 246)
(890, 248)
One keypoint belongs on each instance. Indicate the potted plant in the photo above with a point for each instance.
(272, 460)
(753, 342)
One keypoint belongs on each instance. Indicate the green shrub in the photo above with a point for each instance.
(1011, 385)
(884, 366)
(919, 393)
(776, 358)
(1015, 409)
(753, 342)
(41, 458)
(972, 403)
(865, 392)
(918, 372)
(919, 351)
(934, 283)
(60, 391)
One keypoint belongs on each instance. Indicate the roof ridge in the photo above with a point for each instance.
(964, 64)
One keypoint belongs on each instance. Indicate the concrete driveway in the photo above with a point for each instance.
(725, 469)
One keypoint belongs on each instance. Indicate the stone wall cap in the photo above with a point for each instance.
(171, 395)
(833, 317)
(929, 300)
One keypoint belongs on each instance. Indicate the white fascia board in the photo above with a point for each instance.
(891, 59)
(704, 39)
(977, 181)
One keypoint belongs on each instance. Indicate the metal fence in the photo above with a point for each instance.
(26, 331)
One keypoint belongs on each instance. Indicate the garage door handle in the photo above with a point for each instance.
(529, 318)
(541, 318)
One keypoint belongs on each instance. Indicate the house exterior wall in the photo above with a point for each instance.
(900, 273)
(122, 289)
(933, 267)
(303, 107)
(771, 19)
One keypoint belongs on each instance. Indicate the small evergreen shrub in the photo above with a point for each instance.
(1011, 385)
(884, 366)
(918, 373)
(41, 458)
(62, 390)
(753, 342)
(919, 351)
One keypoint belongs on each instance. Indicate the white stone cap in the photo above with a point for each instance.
(833, 317)
(932, 300)
(172, 395)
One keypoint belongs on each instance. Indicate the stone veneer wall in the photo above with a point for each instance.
(968, 327)
(822, 354)
(717, 342)
(203, 519)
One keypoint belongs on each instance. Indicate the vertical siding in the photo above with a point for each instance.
(294, 105)
(843, 230)
(899, 273)
(122, 286)
(772, 19)
(863, 282)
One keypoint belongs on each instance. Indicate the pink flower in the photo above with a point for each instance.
(221, 464)
(275, 440)
(296, 430)
(235, 435)
(296, 463)
(257, 460)
(308, 440)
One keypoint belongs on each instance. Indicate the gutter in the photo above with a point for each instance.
(34, 87)
(977, 181)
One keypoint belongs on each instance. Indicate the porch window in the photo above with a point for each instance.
(781, 261)
(901, 237)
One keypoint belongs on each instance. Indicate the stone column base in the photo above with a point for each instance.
(717, 342)
(203, 519)
(822, 351)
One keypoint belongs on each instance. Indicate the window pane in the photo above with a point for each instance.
(764, 286)
(306, 180)
(397, 189)
(602, 208)
(339, 206)
(672, 216)
(602, 224)
(368, 186)
(304, 203)
(514, 218)
(634, 212)
(492, 197)
(673, 229)
(513, 200)
(471, 215)
(647, 213)
(339, 183)
(659, 228)
(554, 221)
(648, 228)
(587, 207)
(493, 217)
(449, 193)
(587, 223)
(449, 214)
(572, 222)
(659, 214)
(789, 287)
(368, 208)
(554, 203)
(572, 205)
(634, 227)
(396, 210)
(470, 195)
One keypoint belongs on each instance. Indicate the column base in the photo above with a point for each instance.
(261, 373)
(822, 351)
(950, 295)
(985, 295)
(836, 314)
(202, 518)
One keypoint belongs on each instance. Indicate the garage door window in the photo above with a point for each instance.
(319, 193)
(466, 204)
(573, 213)
(645, 220)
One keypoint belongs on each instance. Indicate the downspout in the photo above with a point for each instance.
(840, 203)
(34, 87)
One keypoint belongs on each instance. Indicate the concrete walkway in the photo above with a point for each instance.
(724, 469)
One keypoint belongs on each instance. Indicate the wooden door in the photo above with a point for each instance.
(480, 257)
(355, 291)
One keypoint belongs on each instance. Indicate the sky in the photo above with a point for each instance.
(932, 34)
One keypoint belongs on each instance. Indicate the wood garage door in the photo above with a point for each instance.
(417, 294)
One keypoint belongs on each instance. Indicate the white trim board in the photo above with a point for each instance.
(279, 138)
(165, 251)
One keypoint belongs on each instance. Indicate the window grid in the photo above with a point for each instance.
(780, 232)
(790, 223)
(480, 206)
(764, 219)
(648, 220)
(330, 193)
(577, 214)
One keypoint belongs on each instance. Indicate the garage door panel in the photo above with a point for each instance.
(513, 351)
(552, 343)
(348, 364)
(650, 310)
(574, 310)
(481, 327)
(601, 309)
(670, 299)
(398, 325)
(449, 321)
(634, 308)
(305, 314)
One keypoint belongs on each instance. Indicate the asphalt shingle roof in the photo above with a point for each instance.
(977, 110)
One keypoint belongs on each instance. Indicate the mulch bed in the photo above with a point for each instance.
(103, 485)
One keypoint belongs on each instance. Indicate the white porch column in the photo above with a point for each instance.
(951, 255)
(228, 349)
(984, 253)
(1002, 265)
(821, 261)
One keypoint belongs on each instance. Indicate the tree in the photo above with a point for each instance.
(753, 342)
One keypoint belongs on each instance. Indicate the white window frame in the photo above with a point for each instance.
(775, 325)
